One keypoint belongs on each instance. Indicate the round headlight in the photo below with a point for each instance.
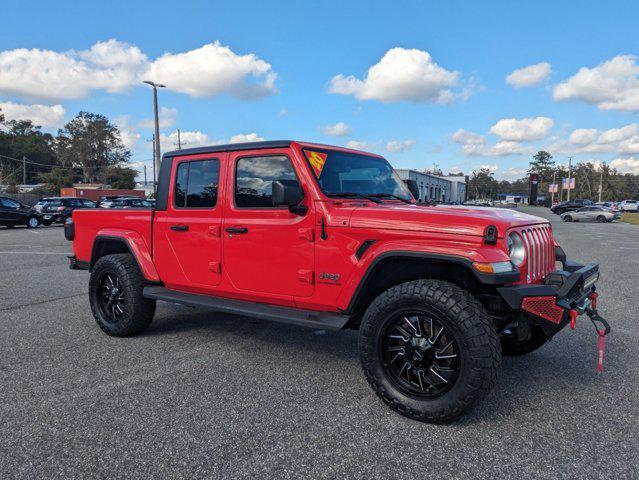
(516, 249)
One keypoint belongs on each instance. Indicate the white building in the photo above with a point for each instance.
(434, 188)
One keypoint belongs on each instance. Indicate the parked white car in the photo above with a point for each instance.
(590, 214)
(629, 206)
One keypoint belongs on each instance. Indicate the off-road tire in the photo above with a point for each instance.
(139, 311)
(511, 347)
(472, 328)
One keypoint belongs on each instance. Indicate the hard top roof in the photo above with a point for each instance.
(234, 147)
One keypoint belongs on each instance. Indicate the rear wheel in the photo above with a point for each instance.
(429, 350)
(115, 294)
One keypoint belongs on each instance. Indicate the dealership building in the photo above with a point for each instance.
(433, 188)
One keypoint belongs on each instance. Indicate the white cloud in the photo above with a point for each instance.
(522, 130)
(128, 133)
(618, 134)
(583, 136)
(474, 145)
(611, 85)
(396, 146)
(630, 145)
(401, 75)
(529, 76)
(359, 145)
(47, 116)
(188, 139)
(116, 66)
(340, 129)
(626, 165)
(462, 136)
(214, 69)
(167, 117)
(246, 137)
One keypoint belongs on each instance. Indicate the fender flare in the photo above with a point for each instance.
(134, 243)
(485, 278)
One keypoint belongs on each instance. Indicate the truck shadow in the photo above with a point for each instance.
(533, 382)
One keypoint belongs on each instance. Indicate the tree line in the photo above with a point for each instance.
(88, 149)
(615, 185)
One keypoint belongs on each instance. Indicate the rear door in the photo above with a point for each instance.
(187, 243)
(267, 249)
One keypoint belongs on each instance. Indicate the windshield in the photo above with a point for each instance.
(343, 174)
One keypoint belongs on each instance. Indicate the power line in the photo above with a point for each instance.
(57, 166)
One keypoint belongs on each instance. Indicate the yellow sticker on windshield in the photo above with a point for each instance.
(317, 161)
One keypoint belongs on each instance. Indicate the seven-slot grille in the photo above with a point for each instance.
(540, 252)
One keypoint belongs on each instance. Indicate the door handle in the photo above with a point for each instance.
(236, 230)
(180, 228)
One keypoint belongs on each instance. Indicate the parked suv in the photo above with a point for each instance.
(60, 209)
(330, 238)
(569, 206)
(629, 206)
(14, 213)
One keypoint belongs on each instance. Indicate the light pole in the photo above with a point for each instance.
(156, 142)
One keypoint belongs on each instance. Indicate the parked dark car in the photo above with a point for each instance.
(14, 213)
(59, 209)
(126, 202)
(570, 206)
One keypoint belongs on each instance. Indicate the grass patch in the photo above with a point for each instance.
(630, 218)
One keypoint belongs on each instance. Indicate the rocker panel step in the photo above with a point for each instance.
(291, 316)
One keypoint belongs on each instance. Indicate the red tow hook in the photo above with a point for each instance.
(573, 318)
(593, 300)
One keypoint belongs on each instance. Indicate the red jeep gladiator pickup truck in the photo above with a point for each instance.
(331, 238)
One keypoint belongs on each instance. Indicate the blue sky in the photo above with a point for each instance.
(436, 91)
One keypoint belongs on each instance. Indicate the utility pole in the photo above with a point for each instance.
(145, 175)
(156, 137)
(569, 175)
(179, 142)
(600, 182)
(24, 170)
(554, 185)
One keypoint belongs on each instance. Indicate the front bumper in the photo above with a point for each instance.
(550, 305)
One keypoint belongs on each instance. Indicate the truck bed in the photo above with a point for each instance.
(93, 222)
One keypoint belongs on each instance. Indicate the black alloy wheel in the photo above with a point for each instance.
(420, 354)
(111, 298)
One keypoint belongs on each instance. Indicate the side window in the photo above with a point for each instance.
(8, 203)
(196, 184)
(254, 178)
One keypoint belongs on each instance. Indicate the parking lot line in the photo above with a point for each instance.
(37, 253)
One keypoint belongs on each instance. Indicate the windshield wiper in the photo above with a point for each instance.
(390, 195)
(353, 194)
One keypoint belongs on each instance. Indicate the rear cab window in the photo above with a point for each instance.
(196, 184)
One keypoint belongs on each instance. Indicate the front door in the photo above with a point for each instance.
(267, 249)
(9, 210)
(187, 235)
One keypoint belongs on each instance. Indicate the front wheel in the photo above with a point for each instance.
(33, 222)
(601, 219)
(115, 294)
(429, 350)
(567, 218)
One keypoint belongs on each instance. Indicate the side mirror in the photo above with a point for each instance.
(290, 194)
(413, 188)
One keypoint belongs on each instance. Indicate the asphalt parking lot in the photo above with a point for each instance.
(218, 396)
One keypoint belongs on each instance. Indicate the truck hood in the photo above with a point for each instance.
(461, 220)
